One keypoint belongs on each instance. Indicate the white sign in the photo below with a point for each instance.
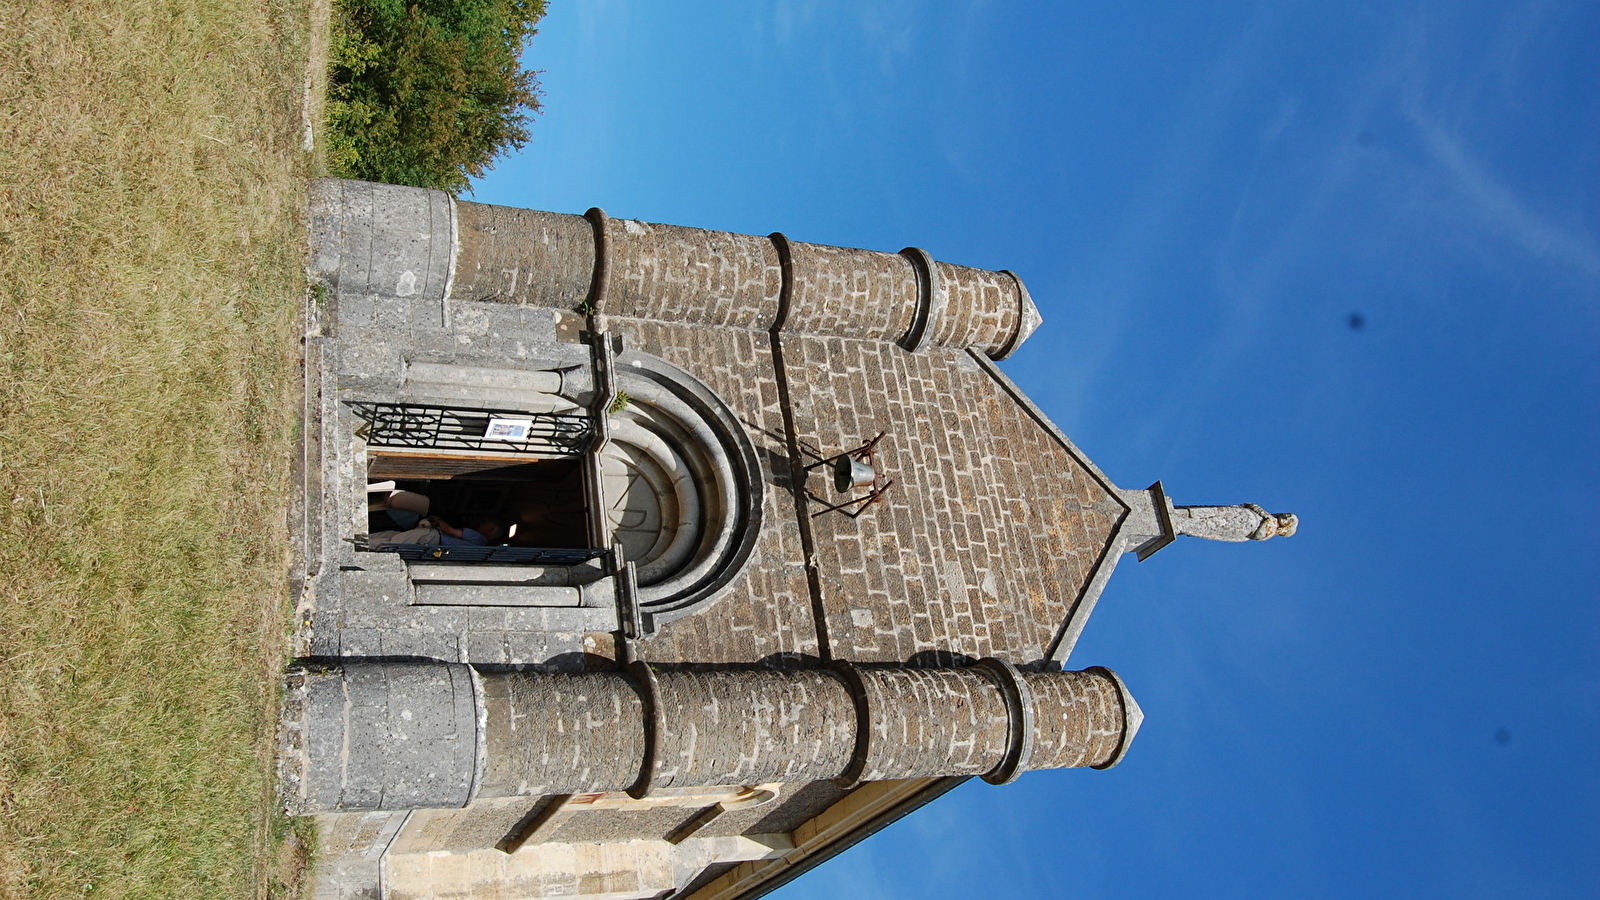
(508, 429)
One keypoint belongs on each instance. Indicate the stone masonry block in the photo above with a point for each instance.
(522, 256)
(753, 727)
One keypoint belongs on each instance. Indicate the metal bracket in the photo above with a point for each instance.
(865, 453)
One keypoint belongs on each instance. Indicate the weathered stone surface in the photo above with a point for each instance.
(695, 276)
(364, 604)
(765, 613)
(623, 824)
(990, 532)
(752, 727)
(484, 823)
(379, 241)
(691, 275)
(561, 734)
(350, 848)
(388, 736)
(522, 256)
(794, 805)
(1078, 719)
(926, 722)
(982, 309)
(637, 869)
(980, 549)
(412, 735)
(853, 293)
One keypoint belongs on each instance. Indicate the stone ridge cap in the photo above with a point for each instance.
(1083, 605)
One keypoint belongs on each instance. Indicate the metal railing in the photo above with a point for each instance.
(547, 556)
(542, 435)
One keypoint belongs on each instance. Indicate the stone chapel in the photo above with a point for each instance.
(719, 553)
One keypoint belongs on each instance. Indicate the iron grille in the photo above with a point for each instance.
(548, 556)
(549, 435)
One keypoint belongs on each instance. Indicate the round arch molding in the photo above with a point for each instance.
(683, 486)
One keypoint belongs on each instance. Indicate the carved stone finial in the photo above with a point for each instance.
(1245, 522)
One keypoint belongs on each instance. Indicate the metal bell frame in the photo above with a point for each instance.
(855, 506)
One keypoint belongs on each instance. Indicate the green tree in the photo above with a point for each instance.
(429, 92)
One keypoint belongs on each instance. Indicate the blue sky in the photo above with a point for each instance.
(1404, 699)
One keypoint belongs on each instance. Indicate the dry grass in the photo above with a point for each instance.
(151, 187)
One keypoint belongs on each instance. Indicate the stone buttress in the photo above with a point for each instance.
(392, 735)
(408, 242)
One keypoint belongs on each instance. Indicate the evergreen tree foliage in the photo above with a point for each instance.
(429, 92)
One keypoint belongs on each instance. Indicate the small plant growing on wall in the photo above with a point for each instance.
(621, 402)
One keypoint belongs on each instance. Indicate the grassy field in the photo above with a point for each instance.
(151, 188)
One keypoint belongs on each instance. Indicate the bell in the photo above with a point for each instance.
(849, 474)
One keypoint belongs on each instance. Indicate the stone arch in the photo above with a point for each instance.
(683, 486)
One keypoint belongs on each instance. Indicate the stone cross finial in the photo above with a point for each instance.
(1245, 522)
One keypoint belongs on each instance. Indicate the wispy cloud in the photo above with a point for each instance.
(1500, 208)
(1316, 194)
(885, 31)
(1117, 294)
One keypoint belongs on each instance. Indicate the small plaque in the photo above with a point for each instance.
(508, 429)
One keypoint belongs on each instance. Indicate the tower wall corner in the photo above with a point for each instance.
(384, 241)
(1079, 719)
(377, 736)
(410, 735)
(690, 275)
(850, 293)
(381, 240)
(523, 256)
(982, 310)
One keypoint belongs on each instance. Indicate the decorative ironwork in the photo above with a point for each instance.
(543, 435)
(547, 556)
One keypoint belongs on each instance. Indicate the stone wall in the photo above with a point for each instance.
(382, 241)
(991, 530)
(720, 728)
(765, 614)
(981, 548)
(379, 241)
(411, 729)
(1073, 714)
(691, 275)
(522, 256)
(924, 722)
(838, 290)
(561, 734)
(982, 309)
